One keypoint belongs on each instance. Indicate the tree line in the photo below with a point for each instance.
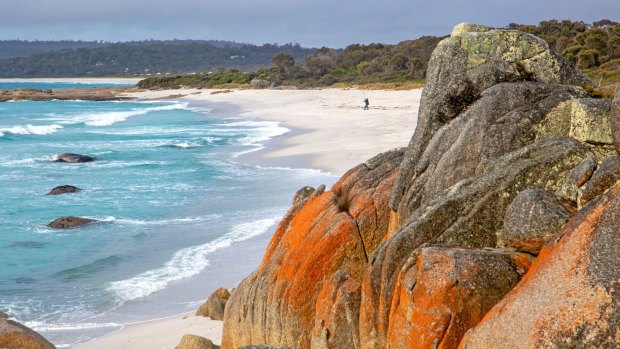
(145, 58)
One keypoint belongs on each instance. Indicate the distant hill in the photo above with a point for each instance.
(67, 58)
(402, 65)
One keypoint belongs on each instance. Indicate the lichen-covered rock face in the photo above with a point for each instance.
(569, 298)
(461, 68)
(615, 120)
(332, 231)
(337, 314)
(605, 176)
(468, 214)
(442, 292)
(214, 306)
(585, 119)
(534, 218)
(500, 114)
(14, 335)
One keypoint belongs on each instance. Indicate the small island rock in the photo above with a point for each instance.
(70, 222)
(73, 158)
(64, 189)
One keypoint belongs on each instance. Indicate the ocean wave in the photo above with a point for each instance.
(30, 130)
(42, 326)
(171, 221)
(112, 117)
(185, 263)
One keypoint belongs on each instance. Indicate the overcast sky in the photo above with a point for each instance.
(333, 23)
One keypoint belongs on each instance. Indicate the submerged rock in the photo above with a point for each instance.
(73, 158)
(215, 305)
(70, 222)
(64, 189)
(14, 335)
(195, 342)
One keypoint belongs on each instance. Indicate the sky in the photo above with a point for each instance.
(312, 23)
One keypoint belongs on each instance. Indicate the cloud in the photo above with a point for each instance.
(333, 23)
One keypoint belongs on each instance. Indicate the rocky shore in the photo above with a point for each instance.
(91, 94)
(496, 227)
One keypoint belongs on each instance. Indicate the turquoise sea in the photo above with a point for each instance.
(179, 215)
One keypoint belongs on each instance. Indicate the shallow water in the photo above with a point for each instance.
(166, 190)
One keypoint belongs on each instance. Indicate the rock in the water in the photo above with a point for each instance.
(14, 335)
(441, 292)
(73, 158)
(195, 342)
(70, 222)
(3, 316)
(569, 298)
(605, 176)
(215, 305)
(534, 218)
(615, 120)
(64, 189)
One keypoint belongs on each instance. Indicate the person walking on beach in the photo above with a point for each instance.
(366, 103)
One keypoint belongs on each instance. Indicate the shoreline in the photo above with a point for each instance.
(307, 145)
(77, 80)
(328, 127)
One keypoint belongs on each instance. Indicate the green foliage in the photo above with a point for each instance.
(357, 64)
(147, 58)
(589, 47)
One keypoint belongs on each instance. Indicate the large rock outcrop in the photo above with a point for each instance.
(570, 297)
(406, 250)
(331, 232)
(461, 68)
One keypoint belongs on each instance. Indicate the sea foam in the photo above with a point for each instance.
(30, 130)
(185, 263)
(112, 117)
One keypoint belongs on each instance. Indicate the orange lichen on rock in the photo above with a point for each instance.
(331, 232)
(570, 296)
(441, 292)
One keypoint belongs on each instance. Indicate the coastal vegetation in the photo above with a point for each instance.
(592, 48)
(143, 58)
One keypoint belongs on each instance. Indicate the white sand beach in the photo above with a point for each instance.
(158, 334)
(330, 130)
(336, 133)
